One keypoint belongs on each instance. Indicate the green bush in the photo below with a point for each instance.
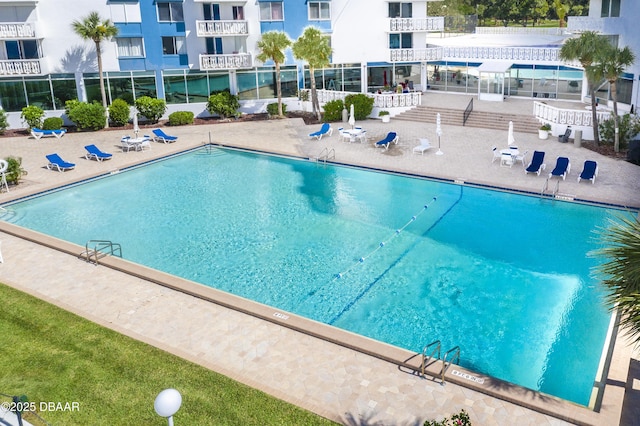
(69, 105)
(180, 118)
(32, 115)
(119, 113)
(3, 122)
(272, 109)
(224, 104)
(460, 419)
(52, 123)
(362, 105)
(14, 171)
(333, 110)
(88, 116)
(628, 126)
(152, 108)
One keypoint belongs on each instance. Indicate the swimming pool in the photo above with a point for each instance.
(503, 276)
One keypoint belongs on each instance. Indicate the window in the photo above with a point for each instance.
(22, 49)
(400, 41)
(400, 10)
(125, 12)
(319, 10)
(610, 8)
(271, 11)
(238, 13)
(174, 46)
(170, 12)
(130, 47)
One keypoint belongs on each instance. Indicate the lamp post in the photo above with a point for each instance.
(167, 403)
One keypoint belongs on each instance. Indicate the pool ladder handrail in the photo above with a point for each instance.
(328, 155)
(455, 358)
(99, 250)
(425, 356)
(546, 186)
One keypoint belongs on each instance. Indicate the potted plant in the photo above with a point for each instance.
(543, 132)
(384, 115)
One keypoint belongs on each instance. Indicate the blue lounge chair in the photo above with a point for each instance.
(38, 133)
(95, 153)
(160, 136)
(326, 128)
(392, 137)
(562, 168)
(589, 171)
(536, 165)
(57, 163)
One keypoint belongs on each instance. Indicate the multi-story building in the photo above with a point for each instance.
(182, 50)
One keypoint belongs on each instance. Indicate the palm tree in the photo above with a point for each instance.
(611, 66)
(272, 46)
(312, 46)
(585, 49)
(94, 28)
(561, 10)
(621, 272)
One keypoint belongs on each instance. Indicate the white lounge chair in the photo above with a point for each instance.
(496, 154)
(424, 145)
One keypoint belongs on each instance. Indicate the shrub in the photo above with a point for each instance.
(545, 127)
(628, 126)
(460, 419)
(382, 113)
(69, 105)
(3, 121)
(224, 104)
(119, 112)
(180, 118)
(152, 108)
(362, 105)
(32, 115)
(88, 116)
(14, 171)
(52, 123)
(333, 110)
(272, 109)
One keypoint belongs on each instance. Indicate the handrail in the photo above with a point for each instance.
(425, 356)
(467, 112)
(555, 191)
(328, 154)
(456, 357)
(545, 187)
(98, 250)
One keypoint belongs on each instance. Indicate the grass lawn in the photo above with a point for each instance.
(51, 355)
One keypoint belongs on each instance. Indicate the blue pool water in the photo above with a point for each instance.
(503, 276)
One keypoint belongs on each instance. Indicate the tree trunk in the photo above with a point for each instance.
(102, 91)
(279, 89)
(314, 95)
(614, 95)
(594, 115)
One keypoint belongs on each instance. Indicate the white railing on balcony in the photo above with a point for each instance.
(403, 55)
(20, 67)
(225, 62)
(384, 100)
(416, 24)
(521, 30)
(568, 117)
(537, 54)
(17, 30)
(221, 28)
(586, 23)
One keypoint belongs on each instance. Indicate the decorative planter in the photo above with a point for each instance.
(543, 134)
(386, 118)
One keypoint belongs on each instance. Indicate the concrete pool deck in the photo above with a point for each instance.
(332, 380)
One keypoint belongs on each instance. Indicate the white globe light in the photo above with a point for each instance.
(167, 402)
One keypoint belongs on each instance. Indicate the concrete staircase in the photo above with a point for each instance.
(488, 120)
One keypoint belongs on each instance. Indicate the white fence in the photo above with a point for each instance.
(384, 100)
(20, 67)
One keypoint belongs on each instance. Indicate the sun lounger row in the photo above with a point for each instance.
(562, 167)
(93, 153)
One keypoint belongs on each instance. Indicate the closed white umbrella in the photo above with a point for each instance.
(439, 133)
(352, 116)
(136, 129)
(510, 138)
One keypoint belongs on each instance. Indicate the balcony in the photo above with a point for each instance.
(520, 54)
(221, 28)
(416, 24)
(413, 55)
(20, 67)
(17, 30)
(225, 62)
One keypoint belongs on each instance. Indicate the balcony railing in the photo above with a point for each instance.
(412, 55)
(17, 30)
(221, 28)
(20, 67)
(537, 54)
(521, 30)
(568, 117)
(379, 100)
(225, 62)
(416, 24)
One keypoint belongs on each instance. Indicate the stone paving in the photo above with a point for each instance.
(341, 384)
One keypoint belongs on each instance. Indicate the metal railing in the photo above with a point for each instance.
(417, 24)
(571, 117)
(455, 358)
(326, 154)
(97, 249)
(467, 112)
(435, 347)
